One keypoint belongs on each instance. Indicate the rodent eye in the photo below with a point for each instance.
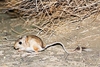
(20, 43)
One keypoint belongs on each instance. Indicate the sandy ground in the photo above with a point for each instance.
(85, 33)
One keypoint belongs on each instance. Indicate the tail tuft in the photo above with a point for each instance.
(83, 49)
(87, 49)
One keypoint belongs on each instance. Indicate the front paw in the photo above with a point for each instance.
(20, 50)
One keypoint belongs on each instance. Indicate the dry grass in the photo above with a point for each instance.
(49, 17)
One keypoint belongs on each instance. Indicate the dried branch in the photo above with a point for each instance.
(53, 10)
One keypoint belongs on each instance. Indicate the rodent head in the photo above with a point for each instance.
(20, 44)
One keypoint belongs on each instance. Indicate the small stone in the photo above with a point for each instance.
(1, 52)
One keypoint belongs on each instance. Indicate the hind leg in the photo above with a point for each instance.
(36, 49)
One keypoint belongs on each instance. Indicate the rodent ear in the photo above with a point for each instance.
(24, 37)
(20, 37)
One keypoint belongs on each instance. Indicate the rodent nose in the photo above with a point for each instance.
(16, 48)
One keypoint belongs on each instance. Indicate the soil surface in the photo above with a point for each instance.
(85, 33)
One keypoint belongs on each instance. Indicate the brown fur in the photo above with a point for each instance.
(27, 39)
(37, 39)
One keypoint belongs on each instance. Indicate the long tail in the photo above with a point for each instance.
(54, 44)
(80, 49)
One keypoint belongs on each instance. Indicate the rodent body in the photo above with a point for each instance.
(32, 43)
(29, 43)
